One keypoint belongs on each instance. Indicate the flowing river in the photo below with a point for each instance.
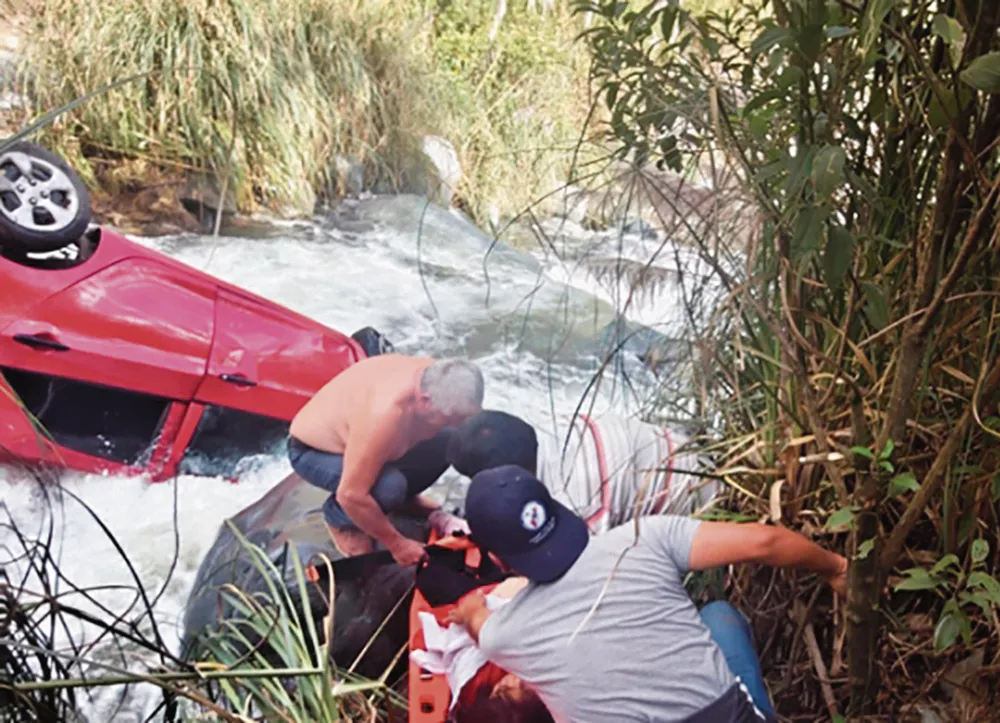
(536, 321)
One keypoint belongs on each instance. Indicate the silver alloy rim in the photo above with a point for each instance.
(35, 194)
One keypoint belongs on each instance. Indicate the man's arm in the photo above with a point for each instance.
(366, 452)
(471, 613)
(726, 543)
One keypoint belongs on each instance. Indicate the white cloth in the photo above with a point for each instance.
(451, 651)
(647, 470)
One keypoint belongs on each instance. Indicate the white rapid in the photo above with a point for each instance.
(525, 318)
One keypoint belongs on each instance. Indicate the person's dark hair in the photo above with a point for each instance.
(487, 709)
(492, 439)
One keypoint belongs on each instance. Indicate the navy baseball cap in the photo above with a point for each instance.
(512, 514)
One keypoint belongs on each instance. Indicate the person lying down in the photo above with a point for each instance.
(480, 690)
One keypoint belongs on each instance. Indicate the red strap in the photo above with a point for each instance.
(602, 470)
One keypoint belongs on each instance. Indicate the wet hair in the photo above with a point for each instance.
(455, 386)
(486, 709)
(492, 439)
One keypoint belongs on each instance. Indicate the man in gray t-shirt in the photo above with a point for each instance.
(604, 630)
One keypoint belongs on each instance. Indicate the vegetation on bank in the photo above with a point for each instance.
(854, 362)
(270, 94)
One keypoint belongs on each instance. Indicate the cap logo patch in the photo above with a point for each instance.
(533, 516)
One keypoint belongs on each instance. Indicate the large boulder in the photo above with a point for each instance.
(290, 516)
(445, 165)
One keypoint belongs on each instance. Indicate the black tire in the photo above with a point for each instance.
(372, 341)
(69, 194)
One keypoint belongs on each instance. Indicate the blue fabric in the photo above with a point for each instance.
(407, 477)
(731, 633)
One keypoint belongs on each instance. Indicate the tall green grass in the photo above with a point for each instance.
(302, 80)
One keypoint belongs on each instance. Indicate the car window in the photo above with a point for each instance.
(113, 424)
(228, 442)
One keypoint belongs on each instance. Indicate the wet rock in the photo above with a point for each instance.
(640, 227)
(350, 175)
(202, 198)
(290, 516)
(445, 165)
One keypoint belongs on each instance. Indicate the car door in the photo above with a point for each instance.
(264, 365)
(103, 363)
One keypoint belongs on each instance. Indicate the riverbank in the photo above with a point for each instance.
(301, 103)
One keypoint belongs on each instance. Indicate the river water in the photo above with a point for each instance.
(430, 282)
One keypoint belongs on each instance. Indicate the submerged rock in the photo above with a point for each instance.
(290, 516)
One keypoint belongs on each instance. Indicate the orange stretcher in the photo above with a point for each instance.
(429, 694)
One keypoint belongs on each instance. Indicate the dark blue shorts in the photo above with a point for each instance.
(398, 482)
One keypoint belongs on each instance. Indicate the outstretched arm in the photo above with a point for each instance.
(726, 543)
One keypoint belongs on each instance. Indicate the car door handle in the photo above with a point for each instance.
(238, 380)
(40, 342)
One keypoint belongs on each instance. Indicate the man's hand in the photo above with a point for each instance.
(467, 608)
(407, 552)
(471, 612)
(838, 579)
(446, 524)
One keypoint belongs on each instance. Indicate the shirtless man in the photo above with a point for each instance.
(375, 438)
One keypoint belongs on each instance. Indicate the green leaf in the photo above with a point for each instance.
(949, 560)
(837, 256)
(889, 447)
(762, 99)
(790, 76)
(838, 31)
(876, 306)
(863, 451)
(612, 95)
(864, 549)
(980, 550)
(828, 169)
(995, 488)
(988, 583)
(811, 39)
(949, 30)
(809, 232)
(886, 465)
(768, 39)
(946, 632)
(875, 15)
(977, 598)
(983, 73)
(917, 578)
(844, 517)
(903, 482)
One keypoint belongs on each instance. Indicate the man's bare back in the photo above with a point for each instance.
(370, 388)
(365, 426)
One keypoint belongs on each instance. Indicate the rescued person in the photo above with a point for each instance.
(612, 470)
(604, 629)
(375, 437)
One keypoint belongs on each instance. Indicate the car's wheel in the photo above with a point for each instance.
(43, 203)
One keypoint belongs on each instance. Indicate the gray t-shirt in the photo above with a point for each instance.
(644, 655)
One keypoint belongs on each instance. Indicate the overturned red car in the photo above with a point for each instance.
(116, 358)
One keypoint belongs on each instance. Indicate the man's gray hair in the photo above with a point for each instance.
(455, 386)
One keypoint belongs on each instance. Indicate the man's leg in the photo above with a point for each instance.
(731, 632)
(323, 470)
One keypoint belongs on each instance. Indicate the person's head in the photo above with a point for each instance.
(493, 439)
(512, 515)
(451, 391)
(509, 701)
